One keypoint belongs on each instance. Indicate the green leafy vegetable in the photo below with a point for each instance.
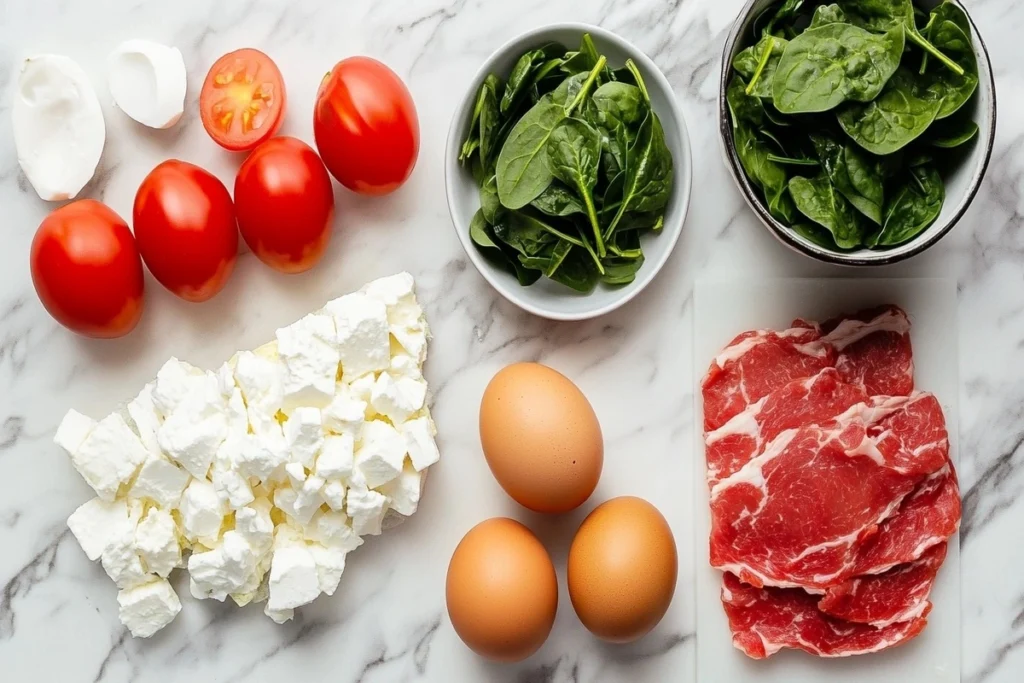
(558, 200)
(951, 133)
(828, 14)
(490, 205)
(744, 107)
(898, 117)
(574, 153)
(853, 175)
(521, 78)
(758, 64)
(787, 10)
(951, 89)
(648, 173)
(824, 67)
(817, 199)
(913, 208)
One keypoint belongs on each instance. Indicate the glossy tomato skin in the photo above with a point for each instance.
(243, 100)
(86, 270)
(285, 203)
(185, 227)
(365, 126)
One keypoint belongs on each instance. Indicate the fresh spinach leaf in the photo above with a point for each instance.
(485, 99)
(524, 233)
(558, 200)
(490, 205)
(952, 133)
(828, 14)
(557, 258)
(793, 161)
(894, 120)
(744, 107)
(478, 232)
(764, 173)
(951, 89)
(489, 123)
(822, 203)
(574, 154)
(758, 64)
(781, 206)
(619, 103)
(787, 11)
(914, 206)
(648, 172)
(521, 78)
(577, 271)
(824, 67)
(622, 271)
(856, 177)
(816, 234)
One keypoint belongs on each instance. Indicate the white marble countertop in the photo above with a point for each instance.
(58, 614)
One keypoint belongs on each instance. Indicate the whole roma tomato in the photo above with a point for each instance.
(242, 102)
(365, 126)
(185, 227)
(285, 202)
(86, 270)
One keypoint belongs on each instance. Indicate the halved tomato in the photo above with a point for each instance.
(243, 100)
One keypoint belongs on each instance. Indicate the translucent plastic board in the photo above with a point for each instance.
(725, 309)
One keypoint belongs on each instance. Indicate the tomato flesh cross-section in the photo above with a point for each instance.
(243, 100)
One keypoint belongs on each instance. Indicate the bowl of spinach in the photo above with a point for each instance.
(568, 171)
(859, 131)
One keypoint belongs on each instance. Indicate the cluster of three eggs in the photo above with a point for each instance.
(543, 444)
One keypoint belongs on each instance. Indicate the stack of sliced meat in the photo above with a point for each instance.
(832, 492)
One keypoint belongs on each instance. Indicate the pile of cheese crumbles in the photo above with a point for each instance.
(262, 476)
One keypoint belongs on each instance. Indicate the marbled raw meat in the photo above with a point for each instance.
(873, 350)
(766, 620)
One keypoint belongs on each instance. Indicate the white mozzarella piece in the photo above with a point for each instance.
(202, 512)
(419, 442)
(147, 81)
(58, 126)
(222, 570)
(380, 455)
(147, 608)
(156, 539)
(108, 456)
(398, 399)
(363, 339)
(161, 481)
(310, 359)
(303, 432)
(337, 457)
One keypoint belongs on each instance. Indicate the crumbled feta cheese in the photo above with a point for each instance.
(261, 455)
(174, 381)
(330, 563)
(222, 570)
(332, 529)
(279, 616)
(73, 430)
(311, 359)
(309, 495)
(121, 560)
(419, 442)
(346, 413)
(304, 435)
(96, 523)
(403, 365)
(293, 575)
(296, 474)
(202, 512)
(295, 505)
(161, 481)
(337, 457)
(156, 539)
(362, 338)
(398, 399)
(255, 525)
(192, 433)
(232, 487)
(262, 385)
(148, 608)
(403, 491)
(143, 413)
(405, 316)
(108, 455)
(333, 494)
(380, 455)
(366, 508)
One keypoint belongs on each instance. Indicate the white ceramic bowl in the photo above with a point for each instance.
(961, 185)
(546, 298)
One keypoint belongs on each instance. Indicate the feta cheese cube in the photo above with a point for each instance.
(296, 474)
(304, 435)
(261, 455)
(332, 529)
(346, 413)
(192, 433)
(202, 512)
(403, 491)
(161, 481)
(310, 359)
(147, 608)
(174, 381)
(293, 574)
(223, 569)
(333, 494)
(398, 399)
(362, 339)
(232, 488)
(330, 563)
(279, 616)
(380, 455)
(73, 430)
(96, 523)
(419, 442)
(309, 494)
(255, 525)
(299, 507)
(108, 456)
(156, 539)
(405, 316)
(262, 384)
(143, 413)
(121, 560)
(366, 508)
(404, 365)
(337, 457)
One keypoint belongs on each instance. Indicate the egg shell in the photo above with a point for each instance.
(501, 591)
(622, 569)
(541, 438)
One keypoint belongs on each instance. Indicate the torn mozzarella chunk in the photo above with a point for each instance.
(147, 81)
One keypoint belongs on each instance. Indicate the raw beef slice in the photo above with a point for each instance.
(765, 620)
(798, 513)
(900, 594)
(873, 350)
(805, 401)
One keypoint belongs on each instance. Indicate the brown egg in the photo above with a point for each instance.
(541, 438)
(502, 592)
(622, 569)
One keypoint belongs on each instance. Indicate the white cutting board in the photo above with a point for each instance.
(723, 310)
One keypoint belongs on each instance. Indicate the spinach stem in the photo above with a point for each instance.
(792, 161)
(590, 250)
(592, 215)
(920, 41)
(561, 235)
(632, 254)
(582, 94)
(761, 64)
(631, 65)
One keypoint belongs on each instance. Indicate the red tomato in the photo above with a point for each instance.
(86, 270)
(185, 227)
(285, 203)
(365, 126)
(243, 100)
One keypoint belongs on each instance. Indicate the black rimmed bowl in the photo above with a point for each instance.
(961, 183)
